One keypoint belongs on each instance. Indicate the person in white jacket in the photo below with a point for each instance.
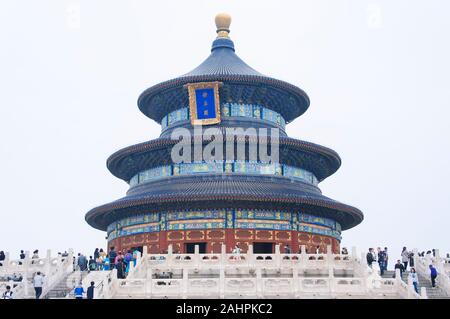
(414, 279)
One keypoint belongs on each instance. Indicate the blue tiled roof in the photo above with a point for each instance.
(223, 61)
(240, 83)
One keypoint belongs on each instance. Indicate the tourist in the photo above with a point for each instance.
(414, 279)
(405, 258)
(386, 258)
(128, 259)
(119, 256)
(35, 254)
(400, 266)
(120, 266)
(105, 265)
(370, 258)
(82, 262)
(92, 264)
(374, 254)
(344, 252)
(112, 257)
(411, 259)
(78, 291)
(433, 275)
(8, 294)
(14, 277)
(99, 262)
(90, 291)
(287, 249)
(38, 282)
(96, 253)
(237, 252)
(2, 257)
(21, 256)
(381, 260)
(65, 254)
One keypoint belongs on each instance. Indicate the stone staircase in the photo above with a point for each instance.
(66, 285)
(432, 293)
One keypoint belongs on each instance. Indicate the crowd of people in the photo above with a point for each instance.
(406, 258)
(121, 260)
(100, 260)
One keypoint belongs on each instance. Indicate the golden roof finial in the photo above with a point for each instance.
(223, 21)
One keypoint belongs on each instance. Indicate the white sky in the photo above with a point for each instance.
(377, 74)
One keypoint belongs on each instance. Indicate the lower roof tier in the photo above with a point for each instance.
(319, 160)
(224, 191)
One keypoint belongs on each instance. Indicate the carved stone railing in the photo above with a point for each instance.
(225, 275)
(422, 265)
(256, 276)
(53, 268)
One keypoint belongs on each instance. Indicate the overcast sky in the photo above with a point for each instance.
(377, 74)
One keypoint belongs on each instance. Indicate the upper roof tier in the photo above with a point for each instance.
(241, 83)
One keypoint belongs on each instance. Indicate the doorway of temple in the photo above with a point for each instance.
(263, 248)
(189, 248)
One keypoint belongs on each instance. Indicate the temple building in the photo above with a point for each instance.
(241, 202)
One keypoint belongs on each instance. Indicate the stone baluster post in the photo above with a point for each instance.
(423, 293)
(330, 259)
(410, 288)
(363, 260)
(48, 263)
(6, 264)
(330, 263)
(223, 255)
(354, 254)
(170, 255)
(112, 286)
(259, 283)
(437, 257)
(185, 284)
(145, 252)
(149, 282)
(26, 267)
(277, 256)
(222, 282)
(295, 283)
(250, 257)
(131, 268)
(197, 256)
(398, 277)
(303, 257)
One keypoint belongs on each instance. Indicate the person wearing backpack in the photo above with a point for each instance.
(92, 264)
(112, 257)
(8, 294)
(433, 275)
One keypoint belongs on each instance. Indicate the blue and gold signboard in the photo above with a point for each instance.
(204, 104)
